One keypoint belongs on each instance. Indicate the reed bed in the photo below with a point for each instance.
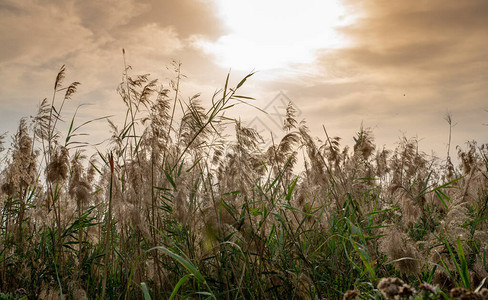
(173, 209)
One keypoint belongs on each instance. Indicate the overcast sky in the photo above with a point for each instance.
(395, 66)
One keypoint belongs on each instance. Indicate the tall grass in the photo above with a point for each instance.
(174, 209)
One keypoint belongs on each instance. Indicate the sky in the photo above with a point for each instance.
(397, 67)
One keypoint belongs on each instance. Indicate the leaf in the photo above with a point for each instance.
(194, 165)
(244, 97)
(365, 258)
(160, 188)
(244, 80)
(145, 291)
(170, 179)
(291, 187)
(480, 285)
(179, 284)
(185, 263)
(441, 197)
(464, 271)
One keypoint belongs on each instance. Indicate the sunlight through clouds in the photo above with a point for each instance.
(274, 34)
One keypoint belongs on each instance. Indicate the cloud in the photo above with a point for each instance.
(31, 31)
(404, 66)
(407, 64)
(188, 17)
(428, 38)
(108, 15)
(153, 42)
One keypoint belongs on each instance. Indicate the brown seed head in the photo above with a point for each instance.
(350, 295)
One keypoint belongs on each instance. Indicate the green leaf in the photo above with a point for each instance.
(244, 80)
(291, 187)
(160, 188)
(179, 284)
(185, 263)
(441, 197)
(145, 291)
(365, 258)
(244, 97)
(255, 211)
(170, 179)
(194, 165)
(464, 272)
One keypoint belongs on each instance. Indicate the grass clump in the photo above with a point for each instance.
(174, 209)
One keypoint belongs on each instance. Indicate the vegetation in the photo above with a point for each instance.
(174, 209)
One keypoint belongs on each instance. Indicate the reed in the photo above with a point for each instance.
(173, 209)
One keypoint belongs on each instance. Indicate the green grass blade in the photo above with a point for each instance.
(244, 80)
(192, 269)
(291, 187)
(179, 284)
(463, 271)
(170, 179)
(145, 291)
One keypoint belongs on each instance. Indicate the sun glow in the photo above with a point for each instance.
(275, 33)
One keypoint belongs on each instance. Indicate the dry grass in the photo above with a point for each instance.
(174, 209)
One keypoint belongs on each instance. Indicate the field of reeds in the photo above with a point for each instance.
(174, 209)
